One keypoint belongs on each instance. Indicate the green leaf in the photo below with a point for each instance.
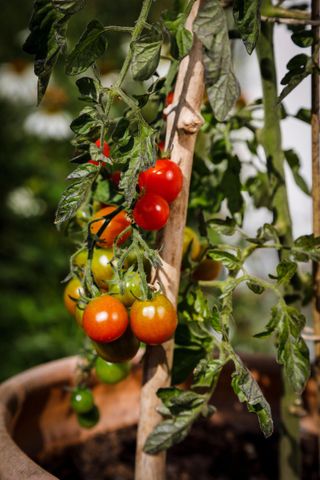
(222, 87)
(86, 122)
(42, 41)
(248, 391)
(184, 39)
(225, 226)
(294, 163)
(293, 352)
(146, 55)
(183, 407)
(299, 67)
(88, 88)
(228, 259)
(206, 373)
(69, 6)
(304, 114)
(306, 248)
(246, 15)
(89, 48)
(141, 157)
(76, 193)
(285, 271)
(255, 288)
(303, 39)
(184, 361)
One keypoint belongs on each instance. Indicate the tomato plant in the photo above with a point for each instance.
(119, 236)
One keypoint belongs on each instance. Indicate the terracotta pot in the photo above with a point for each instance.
(36, 418)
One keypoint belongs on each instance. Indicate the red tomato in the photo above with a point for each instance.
(105, 319)
(169, 99)
(115, 177)
(151, 212)
(117, 225)
(161, 145)
(106, 152)
(153, 321)
(164, 179)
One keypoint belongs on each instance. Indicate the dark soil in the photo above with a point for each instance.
(208, 453)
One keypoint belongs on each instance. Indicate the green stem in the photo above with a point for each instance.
(269, 10)
(290, 460)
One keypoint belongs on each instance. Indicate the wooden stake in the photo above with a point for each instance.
(315, 118)
(183, 123)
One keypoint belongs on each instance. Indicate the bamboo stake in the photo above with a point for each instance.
(315, 132)
(183, 123)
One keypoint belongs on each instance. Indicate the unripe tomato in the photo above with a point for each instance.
(132, 289)
(207, 270)
(101, 266)
(80, 260)
(82, 400)
(153, 321)
(132, 259)
(190, 237)
(82, 217)
(120, 350)
(151, 212)
(117, 225)
(111, 373)
(89, 419)
(105, 319)
(106, 151)
(72, 292)
(164, 179)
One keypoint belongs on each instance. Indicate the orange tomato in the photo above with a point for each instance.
(115, 226)
(105, 319)
(153, 321)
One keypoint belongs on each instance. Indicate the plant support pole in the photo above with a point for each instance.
(183, 123)
(315, 118)
(289, 461)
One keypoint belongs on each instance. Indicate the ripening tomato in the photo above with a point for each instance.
(72, 292)
(153, 321)
(106, 151)
(120, 350)
(164, 179)
(191, 237)
(151, 212)
(207, 270)
(115, 226)
(105, 319)
(80, 260)
(78, 314)
(131, 289)
(111, 373)
(101, 266)
(116, 177)
(89, 419)
(82, 400)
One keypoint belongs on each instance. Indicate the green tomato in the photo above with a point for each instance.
(132, 260)
(80, 260)
(111, 373)
(89, 419)
(102, 270)
(82, 400)
(132, 289)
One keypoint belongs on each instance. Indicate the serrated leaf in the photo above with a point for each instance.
(146, 56)
(184, 39)
(248, 391)
(228, 259)
(206, 373)
(75, 194)
(246, 14)
(89, 48)
(222, 87)
(285, 271)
